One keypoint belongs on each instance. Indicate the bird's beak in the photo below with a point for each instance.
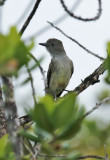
(43, 44)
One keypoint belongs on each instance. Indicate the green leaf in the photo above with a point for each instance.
(73, 156)
(26, 81)
(29, 136)
(41, 113)
(3, 144)
(13, 52)
(6, 149)
(73, 127)
(64, 110)
(37, 64)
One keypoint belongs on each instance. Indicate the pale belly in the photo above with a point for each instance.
(60, 78)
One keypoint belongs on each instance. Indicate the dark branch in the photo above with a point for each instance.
(91, 156)
(2, 116)
(65, 157)
(90, 80)
(41, 70)
(30, 17)
(32, 85)
(25, 119)
(87, 50)
(105, 100)
(57, 21)
(2, 2)
(79, 17)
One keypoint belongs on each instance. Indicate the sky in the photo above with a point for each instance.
(93, 35)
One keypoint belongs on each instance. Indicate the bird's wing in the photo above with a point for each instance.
(50, 70)
(72, 68)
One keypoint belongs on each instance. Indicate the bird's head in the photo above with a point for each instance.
(54, 47)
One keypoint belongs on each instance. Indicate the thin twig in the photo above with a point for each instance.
(41, 70)
(57, 21)
(90, 80)
(32, 85)
(52, 156)
(105, 100)
(29, 17)
(79, 17)
(87, 50)
(65, 157)
(91, 156)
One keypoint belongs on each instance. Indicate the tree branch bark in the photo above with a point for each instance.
(13, 123)
(2, 116)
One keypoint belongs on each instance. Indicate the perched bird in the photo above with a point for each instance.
(60, 69)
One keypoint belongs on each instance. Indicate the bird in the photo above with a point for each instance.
(60, 68)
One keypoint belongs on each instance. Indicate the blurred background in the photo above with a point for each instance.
(93, 35)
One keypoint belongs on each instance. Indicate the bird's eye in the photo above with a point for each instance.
(52, 44)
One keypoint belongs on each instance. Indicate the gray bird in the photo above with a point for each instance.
(60, 69)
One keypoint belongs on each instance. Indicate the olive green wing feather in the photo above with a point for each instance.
(72, 67)
(50, 70)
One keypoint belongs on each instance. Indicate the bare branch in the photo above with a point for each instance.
(2, 2)
(52, 156)
(65, 157)
(30, 17)
(87, 50)
(25, 119)
(91, 156)
(105, 100)
(41, 70)
(32, 85)
(90, 80)
(79, 17)
(2, 116)
(57, 21)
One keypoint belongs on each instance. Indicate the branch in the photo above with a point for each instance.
(57, 21)
(29, 17)
(2, 116)
(12, 117)
(91, 156)
(90, 80)
(105, 100)
(2, 2)
(25, 119)
(32, 85)
(65, 157)
(41, 69)
(79, 17)
(87, 50)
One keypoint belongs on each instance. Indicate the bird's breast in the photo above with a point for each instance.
(61, 74)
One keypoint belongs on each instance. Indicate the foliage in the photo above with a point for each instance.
(13, 52)
(6, 151)
(59, 126)
(61, 118)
